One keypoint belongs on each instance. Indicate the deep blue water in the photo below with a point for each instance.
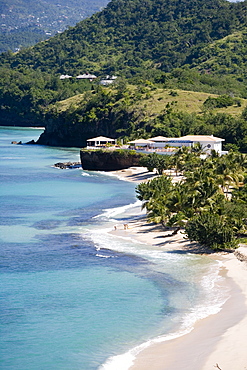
(71, 294)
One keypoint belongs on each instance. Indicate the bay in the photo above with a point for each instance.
(72, 295)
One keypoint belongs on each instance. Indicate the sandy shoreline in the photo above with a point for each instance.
(217, 342)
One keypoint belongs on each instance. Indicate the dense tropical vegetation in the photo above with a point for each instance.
(157, 44)
(128, 112)
(208, 202)
(131, 35)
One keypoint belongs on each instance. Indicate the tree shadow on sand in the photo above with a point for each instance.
(175, 240)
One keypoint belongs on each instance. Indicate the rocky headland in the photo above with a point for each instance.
(108, 160)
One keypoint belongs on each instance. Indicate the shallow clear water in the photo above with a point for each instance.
(73, 295)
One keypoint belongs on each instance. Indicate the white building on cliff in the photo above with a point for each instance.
(168, 145)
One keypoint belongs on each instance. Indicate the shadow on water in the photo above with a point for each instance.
(46, 224)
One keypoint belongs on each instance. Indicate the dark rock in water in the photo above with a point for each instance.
(107, 160)
(16, 142)
(32, 142)
(68, 165)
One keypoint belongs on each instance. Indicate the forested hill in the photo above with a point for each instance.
(159, 42)
(25, 22)
(129, 34)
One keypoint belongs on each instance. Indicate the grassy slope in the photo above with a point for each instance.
(188, 101)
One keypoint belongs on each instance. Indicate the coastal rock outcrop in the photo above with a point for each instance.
(31, 142)
(107, 160)
(16, 142)
(67, 135)
(65, 165)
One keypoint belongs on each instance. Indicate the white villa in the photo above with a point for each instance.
(208, 143)
(64, 77)
(108, 80)
(167, 145)
(86, 76)
(163, 145)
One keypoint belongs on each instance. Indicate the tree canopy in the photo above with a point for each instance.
(209, 202)
(156, 43)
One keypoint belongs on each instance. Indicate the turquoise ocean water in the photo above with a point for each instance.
(73, 296)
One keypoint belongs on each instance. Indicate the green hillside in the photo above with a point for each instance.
(154, 102)
(132, 34)
(151, 45)
(225, 56)
(131, 111)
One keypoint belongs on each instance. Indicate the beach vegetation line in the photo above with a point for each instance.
(208, 199)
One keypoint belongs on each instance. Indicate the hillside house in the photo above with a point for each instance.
(64, 77)
(86, 76)
(108, 80)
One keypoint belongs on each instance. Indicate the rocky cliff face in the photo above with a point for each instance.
(106, 160)
(69, 132)
(54, 135)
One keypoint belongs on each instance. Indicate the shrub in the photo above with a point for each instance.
(211, 230)
(173, 93)
(221, 101)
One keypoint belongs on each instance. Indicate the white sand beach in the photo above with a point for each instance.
(140, 174)
(217, 342)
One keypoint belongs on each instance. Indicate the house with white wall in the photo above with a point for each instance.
(86, 76)
(162, 141)
(162, 144)
(208, 142)
(167, 145)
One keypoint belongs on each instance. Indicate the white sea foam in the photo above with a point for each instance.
(102, 256)
(212, 297)
(111, 174)
(214, 304)
(126, 360)
(112, 212)
(213, 292)
(102, 239)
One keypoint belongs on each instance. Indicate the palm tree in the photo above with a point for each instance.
(186, 160)
(157, 210)
(228, 172)
(197, 149)
(202, 192)
(178, 159)
(237, 161)
(155, 194)
(163, 163)
(202, 189)
(178, 206)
